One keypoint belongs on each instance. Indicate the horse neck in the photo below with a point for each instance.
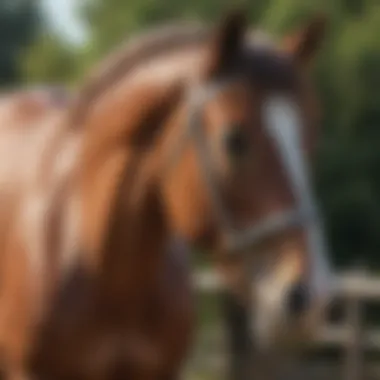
(132, 252)
(125, 232)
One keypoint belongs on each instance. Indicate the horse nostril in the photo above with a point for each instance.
(298, 299)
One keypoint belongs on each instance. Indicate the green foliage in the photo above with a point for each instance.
(113, 20)
(50, 60)
(18, 25)
(348, 175)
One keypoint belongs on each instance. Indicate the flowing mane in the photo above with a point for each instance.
(136, 50)
(142, 47)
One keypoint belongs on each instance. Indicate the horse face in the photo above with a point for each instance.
(242, 187)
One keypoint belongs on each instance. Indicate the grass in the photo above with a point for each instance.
(206, 351)
(204, 363)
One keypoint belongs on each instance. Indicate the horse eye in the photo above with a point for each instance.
(236, 142)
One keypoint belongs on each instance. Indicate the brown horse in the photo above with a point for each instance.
(189, 133)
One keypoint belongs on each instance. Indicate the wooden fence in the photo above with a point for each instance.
(353, 289)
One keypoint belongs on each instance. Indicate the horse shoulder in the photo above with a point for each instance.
(34, 162)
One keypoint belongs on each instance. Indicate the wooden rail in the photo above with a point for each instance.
(347, 284)
(354, 289)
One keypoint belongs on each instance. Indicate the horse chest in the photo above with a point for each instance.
(86, 337)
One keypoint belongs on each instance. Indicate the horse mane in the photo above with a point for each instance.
(136, 50)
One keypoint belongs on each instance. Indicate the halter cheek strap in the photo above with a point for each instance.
(235, 240)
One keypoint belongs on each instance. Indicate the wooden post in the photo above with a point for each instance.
(238, 338)
(246, 362)
(353, 369)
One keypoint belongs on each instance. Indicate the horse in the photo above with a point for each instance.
(190, 137)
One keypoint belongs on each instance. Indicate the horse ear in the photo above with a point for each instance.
(227, 42)
(304, 45)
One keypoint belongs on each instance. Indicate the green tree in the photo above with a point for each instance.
(112, 21)
(50, 59)
(18, 26)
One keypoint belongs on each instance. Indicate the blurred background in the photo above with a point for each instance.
(57, 41)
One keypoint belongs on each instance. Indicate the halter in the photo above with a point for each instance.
(238, 240)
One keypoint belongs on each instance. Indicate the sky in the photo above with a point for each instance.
(63, 20)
